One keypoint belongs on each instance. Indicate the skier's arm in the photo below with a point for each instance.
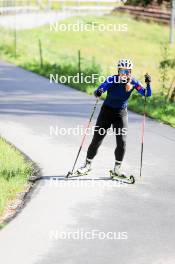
(140, 89)
(103, 87)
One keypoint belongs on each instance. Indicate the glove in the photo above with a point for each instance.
(98, 93)
(147, 78)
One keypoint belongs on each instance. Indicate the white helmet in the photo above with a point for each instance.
(125, 63)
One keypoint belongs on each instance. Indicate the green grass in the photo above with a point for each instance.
(157, 108)
(14, 171)
(142, 43)
(2, 226)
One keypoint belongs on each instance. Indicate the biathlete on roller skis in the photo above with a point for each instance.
(113, 112)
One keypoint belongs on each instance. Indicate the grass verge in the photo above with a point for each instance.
(14, 172)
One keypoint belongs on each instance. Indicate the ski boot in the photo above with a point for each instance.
(85, 169)
(116, 175)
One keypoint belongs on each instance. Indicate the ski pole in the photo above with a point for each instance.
(143, 131)
(84, 136)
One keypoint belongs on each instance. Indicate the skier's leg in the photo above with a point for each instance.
(120, 126)
(102, 125)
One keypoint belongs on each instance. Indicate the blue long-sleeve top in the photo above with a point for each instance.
(117, 95)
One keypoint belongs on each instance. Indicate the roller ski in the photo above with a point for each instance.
(116, 174)
(82, 171)
(121, 177)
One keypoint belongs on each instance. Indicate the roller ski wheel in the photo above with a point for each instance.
(122, 178)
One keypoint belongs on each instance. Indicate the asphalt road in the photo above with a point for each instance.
(61, 217)
(32, 20)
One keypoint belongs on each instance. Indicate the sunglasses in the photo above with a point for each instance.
(125, 72)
